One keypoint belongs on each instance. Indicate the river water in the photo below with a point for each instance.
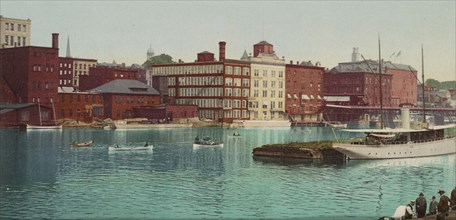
(42, 177)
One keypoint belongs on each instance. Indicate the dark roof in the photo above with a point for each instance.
(125, 86)
(205, 52)
(263, 43)
(10, 107)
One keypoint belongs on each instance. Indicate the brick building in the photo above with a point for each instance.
(304, 91)
(169, 111)
(220, 88)
(103, 74)
(404, 84)
(32, 72)
(72, 68)
(80, 106)
(121, 96)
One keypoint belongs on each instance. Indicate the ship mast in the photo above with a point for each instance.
(422, 84)
(380, 72)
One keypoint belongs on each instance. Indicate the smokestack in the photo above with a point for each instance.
(356, 55)
(55, 40)
(222, 45)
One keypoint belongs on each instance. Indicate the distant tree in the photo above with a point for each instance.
(433, 83)
(160, 59)
(448, 85)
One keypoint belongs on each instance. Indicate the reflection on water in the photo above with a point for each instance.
(42, 177)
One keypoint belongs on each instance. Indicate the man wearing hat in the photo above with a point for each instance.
(453, 198)
(421, 206)
(444, 206)
(409, 213)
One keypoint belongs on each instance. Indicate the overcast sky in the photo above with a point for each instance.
(299, 30)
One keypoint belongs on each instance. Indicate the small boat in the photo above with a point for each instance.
(235, 135)
(29, 127)
(336, 125)
(207, 142)
(84, 144)
(117, 148)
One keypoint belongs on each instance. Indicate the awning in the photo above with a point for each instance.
(337, 98)
(312, 97)
(295, 96)
(289, 96)
(319, 98)
(305, 97)
(266, 103)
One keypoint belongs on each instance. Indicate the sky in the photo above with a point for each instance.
(324, 31)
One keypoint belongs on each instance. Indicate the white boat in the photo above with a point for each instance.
(117, 148)
(406, 143)
(206, 142)
(84, 144)
(43, 127)
(336, 125)
(400, 143)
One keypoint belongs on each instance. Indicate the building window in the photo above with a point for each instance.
(24, 41)
(25, 116)
(24, 28)
(6, 26)
(265, 73)
(18, 27)
(62, 113)
(18, 41)
(6, 39)
(12, 26)
(11, 40)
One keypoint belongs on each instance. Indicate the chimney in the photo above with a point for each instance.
(222, 50)
(55, 40)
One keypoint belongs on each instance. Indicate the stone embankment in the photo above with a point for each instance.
(308, 150)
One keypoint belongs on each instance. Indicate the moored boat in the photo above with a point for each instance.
(84, 144)
(206, 142)
(45, 127)
(124, 148)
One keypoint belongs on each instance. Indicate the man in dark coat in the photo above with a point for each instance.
(453, 198)
(420, 206)
(443, 206)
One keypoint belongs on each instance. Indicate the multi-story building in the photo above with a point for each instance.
(360, 82)
(120, 97)
(103, 74)
(81, 67)
(32, 72)
(404, 84)
(267, 99)
(219, 88)
(14, 32)
(304, 91)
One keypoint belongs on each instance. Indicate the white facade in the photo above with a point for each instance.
(14, 32)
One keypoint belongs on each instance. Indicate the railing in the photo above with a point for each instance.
(393, 142)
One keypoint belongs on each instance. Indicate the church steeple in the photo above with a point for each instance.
(68, 52)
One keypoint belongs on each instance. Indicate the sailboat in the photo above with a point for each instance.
(41, 126)
(401, 142)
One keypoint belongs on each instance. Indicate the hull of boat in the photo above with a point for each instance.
(130, 148)
(207, 145)
(87, 144)
(43, 127)
(391, 151)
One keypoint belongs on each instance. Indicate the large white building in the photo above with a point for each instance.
(14, 32)
(267, 100)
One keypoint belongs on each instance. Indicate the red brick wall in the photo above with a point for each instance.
(403, 87)
(66, 71)
(101, 75)
(301, 80)
(32, 73)
(80, 106)
(120, 106)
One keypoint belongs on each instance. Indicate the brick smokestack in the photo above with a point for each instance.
(222, 45)
(55, 40)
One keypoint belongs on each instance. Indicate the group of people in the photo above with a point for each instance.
(441, 208)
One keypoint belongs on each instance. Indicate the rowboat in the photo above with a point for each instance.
(45, 127)
(117, 148)
(84, 144)
(206, 142)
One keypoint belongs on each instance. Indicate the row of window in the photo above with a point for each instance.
(265, 84)
(81, 66)
(202, 103)
(71, 97)
(47, 68)
(236, 114)
(264, 113)
(237, 70)
(21, 41)
(37, 85)
(64, 82)
(20, 27)
(237, 82)
(265, 93)
(256, 72)
(131, 99)
(228, 103)
(199, 81)
(193, 69)
(266, 105)
(201, 92)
